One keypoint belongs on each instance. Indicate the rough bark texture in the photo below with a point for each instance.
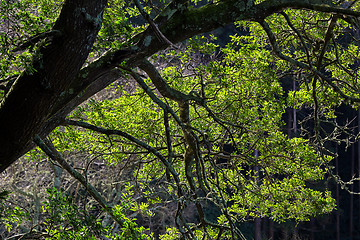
(28, 104)
(40, 100)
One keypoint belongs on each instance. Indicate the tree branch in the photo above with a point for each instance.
(157, 31)
(51, 151)
(32, 41)
(132, 139)
(164, 87)
(304, 66)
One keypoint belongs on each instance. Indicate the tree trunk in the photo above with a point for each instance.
(28, 104)
(294, 113)
(351, 215)
(271, 229)
(257, 221)
(337, 198)
(358, 164)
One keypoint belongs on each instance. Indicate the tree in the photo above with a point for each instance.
(184, 114)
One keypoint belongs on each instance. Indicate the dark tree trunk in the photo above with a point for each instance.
(257, 221)
(271, 229)
(337, 198)
(32, 97)
(351, 217)
(358, 165)
(294, 113)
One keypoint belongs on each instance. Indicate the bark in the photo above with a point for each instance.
(351, 213)
(358, 159)
(39, 100)
(257, 223)
(26, 107)
(271, 229)
(337, 198)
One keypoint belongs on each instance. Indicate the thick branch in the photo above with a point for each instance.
(32, 41)
(162, 85)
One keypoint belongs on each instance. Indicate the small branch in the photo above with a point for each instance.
(304, 66)
(18, 190)
(345, 185)
(168, 141)
(132, 139)
(157, 31)
(32, 41)
(29, 235)
(150, 93)
(51, 151)
(316, 109)
(328, 37)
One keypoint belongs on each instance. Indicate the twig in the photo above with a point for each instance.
(51, 151)
(131, 138)
(305, 66)
(156, 29)
(32, 41)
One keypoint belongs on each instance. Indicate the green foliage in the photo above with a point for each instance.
(116, 27)
(66, 220)
(171, 233)
(242, 103)
(129, 230)
(241, 88)
(11, 215)
(22, 21)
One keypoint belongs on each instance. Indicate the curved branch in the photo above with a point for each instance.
(299, 36)
(304, 66)
(51, 151)
(164, 87)
(132, 139)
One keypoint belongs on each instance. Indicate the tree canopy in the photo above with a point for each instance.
(182, 94)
